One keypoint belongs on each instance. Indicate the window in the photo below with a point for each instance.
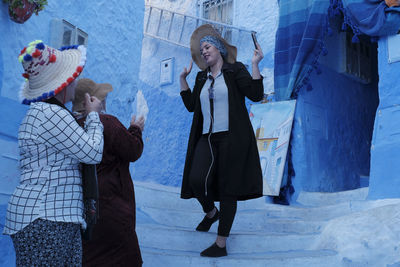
(64, 33)
(219, 11)
(354, 60)
(358, 58)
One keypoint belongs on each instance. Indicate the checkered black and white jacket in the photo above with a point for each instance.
(52, 145)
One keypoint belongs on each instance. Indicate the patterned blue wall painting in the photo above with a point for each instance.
(272, 123)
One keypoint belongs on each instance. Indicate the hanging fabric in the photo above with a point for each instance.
(299, 42)
(303, 26)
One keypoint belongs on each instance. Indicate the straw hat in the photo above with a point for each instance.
(85, 85)
(198, 34)
(48, 71)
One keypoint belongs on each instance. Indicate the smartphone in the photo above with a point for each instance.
(253, 35)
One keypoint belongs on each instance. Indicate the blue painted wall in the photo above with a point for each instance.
(12, 113)
(115, 30)
(167, 128)
(385, 155)
(332, 132)
(114, 45)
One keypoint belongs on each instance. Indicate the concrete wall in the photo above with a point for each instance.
(385, 156)
(114, 45)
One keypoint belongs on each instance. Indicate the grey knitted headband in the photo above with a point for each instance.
(215, 42)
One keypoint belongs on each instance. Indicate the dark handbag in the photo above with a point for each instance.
(90, 199)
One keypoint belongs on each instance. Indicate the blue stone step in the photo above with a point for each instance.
(326, 198)
(247, 220)
(167, 257)
(184, 239)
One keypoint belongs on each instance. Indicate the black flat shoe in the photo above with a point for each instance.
(206, 223)
(214, 251)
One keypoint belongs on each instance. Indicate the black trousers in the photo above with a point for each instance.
(210, 169)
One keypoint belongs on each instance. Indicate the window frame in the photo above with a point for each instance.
(58, 29)
(202, 10)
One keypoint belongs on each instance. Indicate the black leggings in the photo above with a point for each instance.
(202, 160)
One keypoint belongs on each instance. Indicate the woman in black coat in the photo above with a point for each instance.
(222, 161)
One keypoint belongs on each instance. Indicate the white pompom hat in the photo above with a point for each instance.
(48, 71)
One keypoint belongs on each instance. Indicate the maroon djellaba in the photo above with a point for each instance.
(114, 241)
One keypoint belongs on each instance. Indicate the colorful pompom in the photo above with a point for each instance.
(23, 50)
(51, 94)
(70, 80)
(27, 57)
(25, 75)
(79, 69)
(37, 53)
(40, 46)
(63, 85)
(76, 74)
(45, 95)
(29, 50)
(53, 58)
(59, 89)
(35, 42)
(21, 58)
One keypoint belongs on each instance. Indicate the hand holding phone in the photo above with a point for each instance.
(253, 35)
(258, 54)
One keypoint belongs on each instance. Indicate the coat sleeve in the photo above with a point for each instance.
(188, 99)
(126, 144)
(189, 96)
(60, 131)
(252, 89)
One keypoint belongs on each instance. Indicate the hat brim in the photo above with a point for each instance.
(198, 34)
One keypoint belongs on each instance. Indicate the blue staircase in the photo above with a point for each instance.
(263, 234)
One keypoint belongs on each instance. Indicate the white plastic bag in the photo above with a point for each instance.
(141, 105)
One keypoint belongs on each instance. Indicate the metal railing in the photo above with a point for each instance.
(176, 28)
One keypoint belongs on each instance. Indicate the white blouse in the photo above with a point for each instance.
(221, 105)
(52, 145)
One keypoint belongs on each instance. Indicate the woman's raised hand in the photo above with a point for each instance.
(186, 71)
(184, 74)
(258, 55)
(139, 122)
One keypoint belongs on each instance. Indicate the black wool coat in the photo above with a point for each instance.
(244, 170)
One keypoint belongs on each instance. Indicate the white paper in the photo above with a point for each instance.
(140, 105)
